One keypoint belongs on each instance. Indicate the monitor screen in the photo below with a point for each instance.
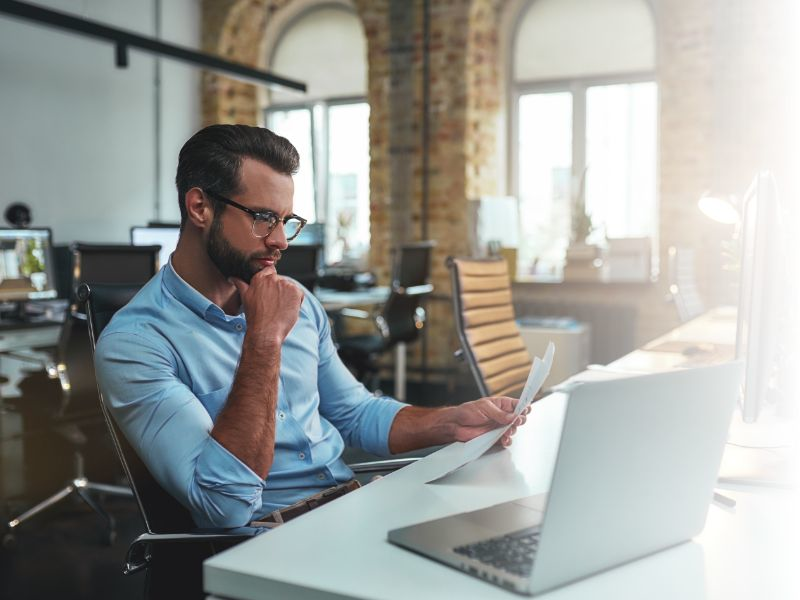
(26, 265)
(165, 236)
(761, 292)
(301, 263)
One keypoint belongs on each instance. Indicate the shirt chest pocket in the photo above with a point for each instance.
(214, 401)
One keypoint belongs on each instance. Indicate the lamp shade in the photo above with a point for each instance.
(719, 208)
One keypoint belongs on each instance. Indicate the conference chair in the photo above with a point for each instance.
(74, 370)
(488, 333)
(399, 322)
(167, 522)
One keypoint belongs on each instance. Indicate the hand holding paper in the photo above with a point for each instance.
(477, 446)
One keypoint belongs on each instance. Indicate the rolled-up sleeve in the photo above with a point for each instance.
(170, 430)
(364, 420)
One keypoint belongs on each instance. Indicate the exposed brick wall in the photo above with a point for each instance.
(234, 29)
(724, 103)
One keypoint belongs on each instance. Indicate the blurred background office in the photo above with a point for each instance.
(572, 137)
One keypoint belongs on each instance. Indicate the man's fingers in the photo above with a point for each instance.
(240, 285)
(497, 414)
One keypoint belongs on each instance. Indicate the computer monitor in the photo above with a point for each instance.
(162, 234)
(761, 292)
(26, 265)
(313, 234)
(301, 263)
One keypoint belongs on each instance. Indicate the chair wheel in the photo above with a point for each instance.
(9, 541)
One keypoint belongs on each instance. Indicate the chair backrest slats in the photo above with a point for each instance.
(486, 325)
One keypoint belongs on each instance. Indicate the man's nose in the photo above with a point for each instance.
(277, 238)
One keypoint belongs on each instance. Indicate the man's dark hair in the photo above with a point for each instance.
(212, 159)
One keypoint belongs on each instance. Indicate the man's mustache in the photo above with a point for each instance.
(274, 255)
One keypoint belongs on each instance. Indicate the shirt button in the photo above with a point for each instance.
(301, 456)
(281, 415)
(238, 327)
(321, 476)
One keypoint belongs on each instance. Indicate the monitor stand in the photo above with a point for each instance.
(763, 453)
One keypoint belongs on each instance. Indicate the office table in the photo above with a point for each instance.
(340, 550)
(336, 299)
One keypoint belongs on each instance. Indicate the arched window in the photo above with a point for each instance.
(325, 47)
(584, 122)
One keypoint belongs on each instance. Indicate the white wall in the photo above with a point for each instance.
(77, 135)
(327, 50)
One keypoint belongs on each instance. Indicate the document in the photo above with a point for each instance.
(478, 446)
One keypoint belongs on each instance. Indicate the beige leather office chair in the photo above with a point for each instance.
(489, 336)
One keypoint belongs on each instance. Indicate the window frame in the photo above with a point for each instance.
(320, 164)
(577, 87)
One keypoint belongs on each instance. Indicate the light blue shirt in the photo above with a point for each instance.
(166, 363)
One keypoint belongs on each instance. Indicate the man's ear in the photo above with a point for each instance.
(198, 208)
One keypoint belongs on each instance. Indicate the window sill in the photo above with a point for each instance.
(550, 281)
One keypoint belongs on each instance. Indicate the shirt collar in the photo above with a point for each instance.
(190, 297)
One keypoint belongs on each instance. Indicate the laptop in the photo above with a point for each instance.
(635, 472)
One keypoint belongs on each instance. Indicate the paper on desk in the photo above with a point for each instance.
(476, 447)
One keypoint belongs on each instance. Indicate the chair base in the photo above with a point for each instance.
(81, 487)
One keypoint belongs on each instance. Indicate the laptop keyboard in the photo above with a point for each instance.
(512, 553)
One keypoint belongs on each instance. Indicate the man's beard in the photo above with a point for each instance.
(231, 262)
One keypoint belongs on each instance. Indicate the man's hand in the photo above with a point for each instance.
(416, 427)
(270, 303)
(472, 419)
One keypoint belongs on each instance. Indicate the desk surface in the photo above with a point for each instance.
(336, 299)
(340, 550)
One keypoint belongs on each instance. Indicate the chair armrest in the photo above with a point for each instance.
(416, 290)
(354, 313)
(138, 555)
(376, 466)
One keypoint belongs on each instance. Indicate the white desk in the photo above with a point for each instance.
(336, 299)
(340, 550)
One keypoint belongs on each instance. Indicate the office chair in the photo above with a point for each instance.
(167, 521)
(490, 339)
(399, 322)
(301, 262)
(74, 369)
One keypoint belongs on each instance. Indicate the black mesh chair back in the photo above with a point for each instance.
(160, 511)
(99, 264)
(412, 264)
(113, 263)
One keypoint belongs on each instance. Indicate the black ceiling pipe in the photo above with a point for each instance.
(124, 40)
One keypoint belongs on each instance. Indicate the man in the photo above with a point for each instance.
(223, 375)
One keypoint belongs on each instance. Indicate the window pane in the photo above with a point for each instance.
(621, 158)
(347, 215)
(545, 169)
(295, 125)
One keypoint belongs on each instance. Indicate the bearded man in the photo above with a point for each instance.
(223, 375)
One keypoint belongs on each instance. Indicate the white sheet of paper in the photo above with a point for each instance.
(476, 447)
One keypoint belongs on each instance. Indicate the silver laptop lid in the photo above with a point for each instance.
(625, 487)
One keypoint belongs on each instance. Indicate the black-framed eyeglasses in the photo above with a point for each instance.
(264, 223)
